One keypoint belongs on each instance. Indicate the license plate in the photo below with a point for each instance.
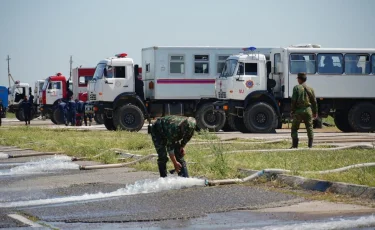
(89, 109)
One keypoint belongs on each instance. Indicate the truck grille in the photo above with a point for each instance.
(92, 97)
(222, 95)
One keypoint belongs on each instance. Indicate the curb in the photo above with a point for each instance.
(353, 190)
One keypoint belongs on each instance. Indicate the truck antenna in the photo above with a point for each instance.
(71, 63)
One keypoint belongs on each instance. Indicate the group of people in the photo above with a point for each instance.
(170, 134)
(74, 112)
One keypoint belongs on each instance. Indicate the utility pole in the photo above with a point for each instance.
(8, 60)
(71, 63)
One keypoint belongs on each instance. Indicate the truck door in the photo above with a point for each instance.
(54, 92)
(248, 79)
(119, 79)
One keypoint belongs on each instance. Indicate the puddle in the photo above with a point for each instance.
(46, 165)
(144, 186)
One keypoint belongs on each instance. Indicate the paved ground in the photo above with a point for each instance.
(224, 207)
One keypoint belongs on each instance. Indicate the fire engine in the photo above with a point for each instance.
(255, 93)
(57, 88)
(175, 81)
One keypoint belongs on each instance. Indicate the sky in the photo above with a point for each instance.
(40, 35)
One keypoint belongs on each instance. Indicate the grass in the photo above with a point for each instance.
(205, 160)
(11, 115)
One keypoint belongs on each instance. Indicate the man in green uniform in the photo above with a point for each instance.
(172, 133)
(303, 108)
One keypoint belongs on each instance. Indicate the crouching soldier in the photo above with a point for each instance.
(172, 133)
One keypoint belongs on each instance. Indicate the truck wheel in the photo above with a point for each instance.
(99, 119)
(208, 119)
(53, 120)
(58, 116)
(362, 117)
(108, 123)
(260, 118)
(129, 117)
(342, 122)
(237, 124)
(19, 115)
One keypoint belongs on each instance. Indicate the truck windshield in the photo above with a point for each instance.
(229, 68)
(45, 85)
(99, 71)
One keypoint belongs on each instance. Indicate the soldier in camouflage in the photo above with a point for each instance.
(303, 108)
(172, 133)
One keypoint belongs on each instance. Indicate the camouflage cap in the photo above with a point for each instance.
(302, 76)
(189, 123)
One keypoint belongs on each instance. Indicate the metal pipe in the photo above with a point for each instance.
(82, 167)
(13, 150)
(33, 154)
(280, 171)
(364, 146)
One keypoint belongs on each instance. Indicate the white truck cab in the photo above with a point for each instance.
(112, 77)
(242, 74)
(244, 91)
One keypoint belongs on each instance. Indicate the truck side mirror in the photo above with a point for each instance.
(136, 71)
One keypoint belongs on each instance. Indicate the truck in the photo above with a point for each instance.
(3, 101)
(255, 93)
(16, 94)
(57, 87)
(175, 81)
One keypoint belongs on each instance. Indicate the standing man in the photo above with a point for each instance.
(2, 111)
(86, 115)
(26, 106)
(172, 133)
(72, 110)
(303, 108)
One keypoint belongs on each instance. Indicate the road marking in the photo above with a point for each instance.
(25, 220)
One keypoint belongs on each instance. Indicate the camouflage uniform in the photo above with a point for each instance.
(167, 132)
(303, 107)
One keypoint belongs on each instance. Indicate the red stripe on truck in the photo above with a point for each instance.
(185, 81)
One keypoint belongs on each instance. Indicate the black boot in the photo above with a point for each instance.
(183, 172)
(310, 142)
(294, 143)
(162, 169)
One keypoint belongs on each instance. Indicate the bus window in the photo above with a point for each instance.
(330, 63)
(302, 63)
(357, 64)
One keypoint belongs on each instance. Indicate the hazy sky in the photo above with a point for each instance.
(40, 35)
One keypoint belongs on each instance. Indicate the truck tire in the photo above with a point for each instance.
(99, 119)
(260, 118)
(19, 115)
(57, 116)
(342, 122)
(108, 123)
(129, 117)
(208, 119)
(362, 117)
(237, 124)
(53, 120)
